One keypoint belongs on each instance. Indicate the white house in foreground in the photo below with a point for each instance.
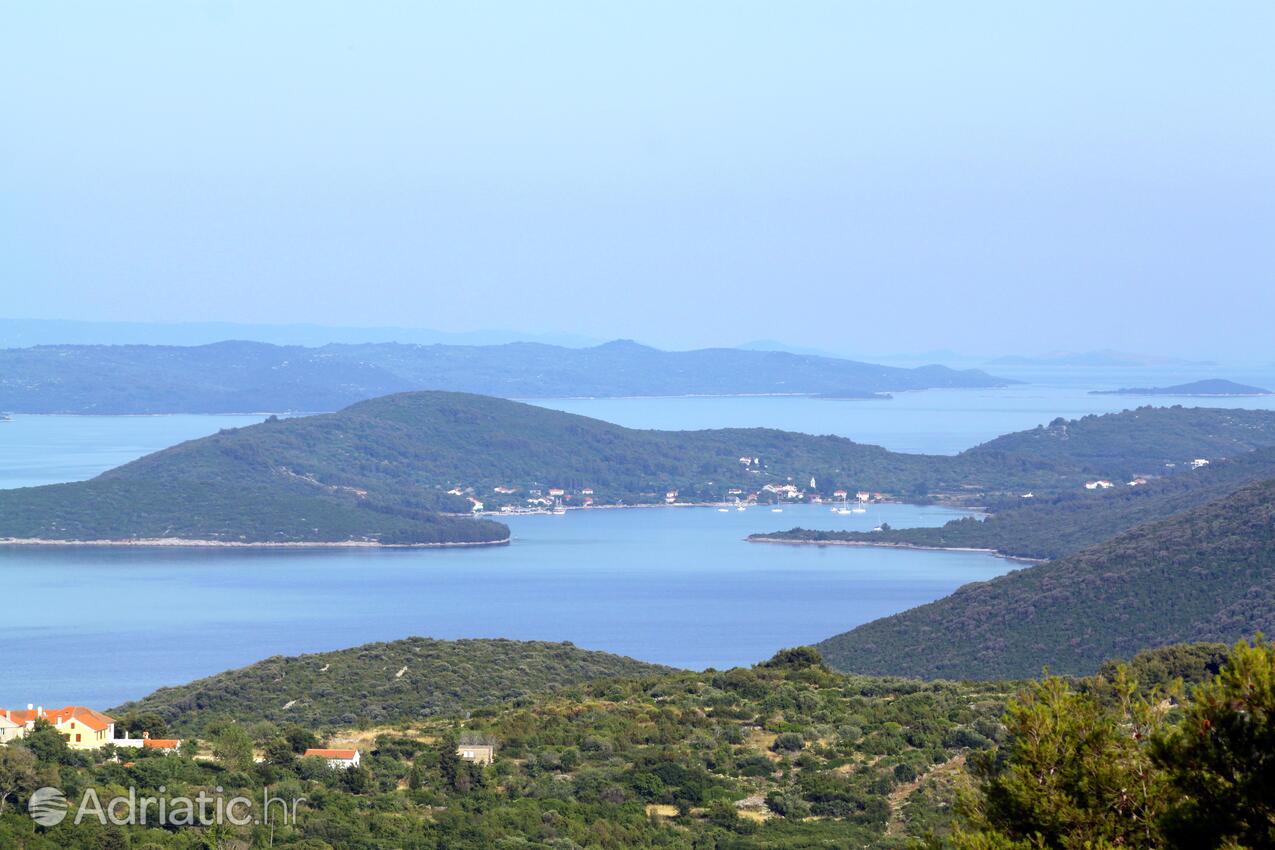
(337, 759)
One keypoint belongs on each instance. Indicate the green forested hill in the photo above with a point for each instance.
(1204, 575)
(378, 683)
(408, 449)
(1052, 526)
(230, 512)
(1141, 441)
(380, 470)
(786, 754)
(236, 376)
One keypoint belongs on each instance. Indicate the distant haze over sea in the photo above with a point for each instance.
(23, 333)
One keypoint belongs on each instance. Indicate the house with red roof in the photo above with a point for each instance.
(337, 759)
(83, 728)
(146, 742)
(10, 730)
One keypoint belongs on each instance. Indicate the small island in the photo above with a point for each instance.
(1212, 387)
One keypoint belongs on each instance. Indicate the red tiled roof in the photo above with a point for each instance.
(162, 743)
(333, 754)
(95, 720)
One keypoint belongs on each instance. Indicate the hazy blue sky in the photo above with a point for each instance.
(882, 176)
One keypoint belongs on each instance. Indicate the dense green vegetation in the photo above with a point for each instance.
(783, 755)
(1214, 387)
(236, 377)
(787, 754)
(1207, 574)
(380, 470)
(379, 683)
(1192, 663)
(1059, 524)
(1101, 768)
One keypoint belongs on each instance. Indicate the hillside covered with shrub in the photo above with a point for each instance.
(786, 754)
(1204, 575)
(395, 682)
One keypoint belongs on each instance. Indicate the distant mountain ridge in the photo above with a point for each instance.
(24, 333)
(238, 377)
(1210, 387)
(1207, 574)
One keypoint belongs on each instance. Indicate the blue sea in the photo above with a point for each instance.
(679, 586)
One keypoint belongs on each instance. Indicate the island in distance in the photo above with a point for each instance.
(242, 377)
(410, 469)
(1211, 387)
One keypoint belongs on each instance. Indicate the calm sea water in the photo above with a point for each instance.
(678, 586)
(673, 585)
(930, 421)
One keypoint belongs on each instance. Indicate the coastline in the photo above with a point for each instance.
(997, 553)
(183, 542)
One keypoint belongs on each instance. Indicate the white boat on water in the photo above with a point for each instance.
(740, 507)
(776, 510)
(723, 510)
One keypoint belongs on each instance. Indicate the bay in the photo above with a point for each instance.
(679, 586)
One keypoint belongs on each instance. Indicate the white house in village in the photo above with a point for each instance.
(337, 759)
(786, 491)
